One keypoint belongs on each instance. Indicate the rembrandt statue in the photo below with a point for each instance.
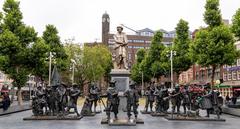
(121, 49)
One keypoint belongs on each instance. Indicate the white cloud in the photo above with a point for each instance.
(82, 18)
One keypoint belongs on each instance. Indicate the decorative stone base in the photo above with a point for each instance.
(89, 114)
(144, 112)
(98, 112)
(14, 109)
(181, 118)
(158, 114)
(231, 111)
(169, 112)
(122, 122)
(53, 118)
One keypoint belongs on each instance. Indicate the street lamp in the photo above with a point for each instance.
(172, 53)
(142, 91)
(50, 67)
(73, 69)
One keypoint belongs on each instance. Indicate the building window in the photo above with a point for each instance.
(1, 75)
(238, 46)
(203, 74)
(130, 56)
(209, 73)
(234, 75)
(129, 41)
(230, 75)
(225, 76)
(138, 41)
(238, 62)
(197, 75)
(238, 75)
(217, 74)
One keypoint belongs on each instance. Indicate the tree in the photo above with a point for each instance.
(75, 53)
(15, 41)
(92, 63)
(97, 61)
(51, 38)
(137, 70)
(140, 55)
(213, 46)
(182, 60)
(37, 59)
(212, 15)
(154, 57)
(236, 24)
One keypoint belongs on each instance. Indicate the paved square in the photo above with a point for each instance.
(15, 121)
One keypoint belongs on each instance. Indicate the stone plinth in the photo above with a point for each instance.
(121, 76)
(181, 118)
(53, 118)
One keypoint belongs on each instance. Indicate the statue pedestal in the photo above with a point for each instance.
(121, 76)
(69, 117)
(122, 122)
(184, 118)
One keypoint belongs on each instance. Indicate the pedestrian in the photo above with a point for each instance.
(234, 98)
(6, 101)
(227, 99)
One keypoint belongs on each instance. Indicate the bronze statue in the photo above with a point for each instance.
(121, 42)
(132, 100)
(149, 97)
(94, 95)
(112, 100)
(74, 93)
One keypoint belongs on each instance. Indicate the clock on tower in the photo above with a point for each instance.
(105, 28)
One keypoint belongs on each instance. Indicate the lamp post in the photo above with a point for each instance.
(50, 65)
(172, 53)
(142, 83)
(73, 69)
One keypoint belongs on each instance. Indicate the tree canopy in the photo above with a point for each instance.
(214, 45)
(236, 24)
(92, 63)
(16, 40)
(182, 60)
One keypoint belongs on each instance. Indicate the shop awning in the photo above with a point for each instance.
(237, 89)
(231, 83)
(223, 86)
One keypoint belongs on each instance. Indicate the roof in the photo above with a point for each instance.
(105, 15)
(146, 30)
(162, 30)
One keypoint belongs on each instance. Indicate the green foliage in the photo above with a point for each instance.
(214, 45)
(140, 55)
(153, 63)
(212, 15)
(37, 59)
(182, 60)
(138, 68)
(51, 38)
(156, 47)
(12, 15)
(236, 24)
(15, 42)
(97, 60)
(92, 63)
(154, 57)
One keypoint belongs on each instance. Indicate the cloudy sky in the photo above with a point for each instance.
(81, 19)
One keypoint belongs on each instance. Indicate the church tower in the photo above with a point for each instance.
(105, 28)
